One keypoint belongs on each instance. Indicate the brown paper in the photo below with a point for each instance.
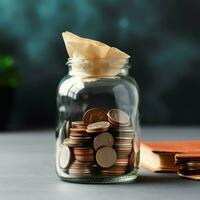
(90, 49)
(93, 58)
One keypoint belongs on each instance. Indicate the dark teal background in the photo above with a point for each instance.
(162, 37)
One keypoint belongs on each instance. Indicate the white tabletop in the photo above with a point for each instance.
(27, 171)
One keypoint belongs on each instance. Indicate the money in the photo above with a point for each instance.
(78, 124)
(101, 144)
(103, 139)
(101, 126)
(94, 115)
(118, 117)
(84, 154)
(106, 157)
(64, 156)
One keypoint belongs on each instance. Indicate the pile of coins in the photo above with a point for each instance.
(188, 165)
(101, 144)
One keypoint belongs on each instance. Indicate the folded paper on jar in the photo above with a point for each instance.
(93, 58)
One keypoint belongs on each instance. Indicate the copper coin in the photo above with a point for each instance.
(117, 116)
(64, 157)
(115, 168)
(80, 165)
(94, 115)
(77, 131)
(77, 141)
(87, 158)
(103, 139)
(106, 157)
(114, 171)
(77, 134)
(101, 126)
(96, 131)
(78, 124)
(84, 154)
(67, 128)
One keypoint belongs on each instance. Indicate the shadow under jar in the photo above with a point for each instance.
(98, 131)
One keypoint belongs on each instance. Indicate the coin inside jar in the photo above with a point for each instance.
(64, 156)
(67, 129)
(94, 115)
(106, 157)
(101, 126)
(78, 124)
(117, 116)
(103, 139)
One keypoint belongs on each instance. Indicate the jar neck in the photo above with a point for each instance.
(98, 68)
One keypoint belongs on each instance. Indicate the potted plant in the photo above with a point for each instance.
(9, 80)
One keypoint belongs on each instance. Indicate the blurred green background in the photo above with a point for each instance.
(162, 37)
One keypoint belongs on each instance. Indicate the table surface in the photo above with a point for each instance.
(27, 171)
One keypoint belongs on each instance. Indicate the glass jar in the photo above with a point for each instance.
(98, 131)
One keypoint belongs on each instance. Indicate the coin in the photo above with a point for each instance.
(103, 139)
(94, 115)
(193, 164)
(123, 141)
(121, 134)
(106, 157)
(123, 146)
(189, 159)
(84, 154)
(118, 169)
(67, 128)
(78, 124)
(189, 168)
(123, 150)
(79, 169)
(101, 126)
(78, 131)
(117, 117)
(193, 177)
(64, 156)
(117, 125)
(77, 141)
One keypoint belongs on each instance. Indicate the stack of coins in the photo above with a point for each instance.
(188, 165)
(100, 144)
(83, 154)
(123, 135)
(79, 169)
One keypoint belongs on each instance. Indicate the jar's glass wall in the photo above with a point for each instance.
(75, 97)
